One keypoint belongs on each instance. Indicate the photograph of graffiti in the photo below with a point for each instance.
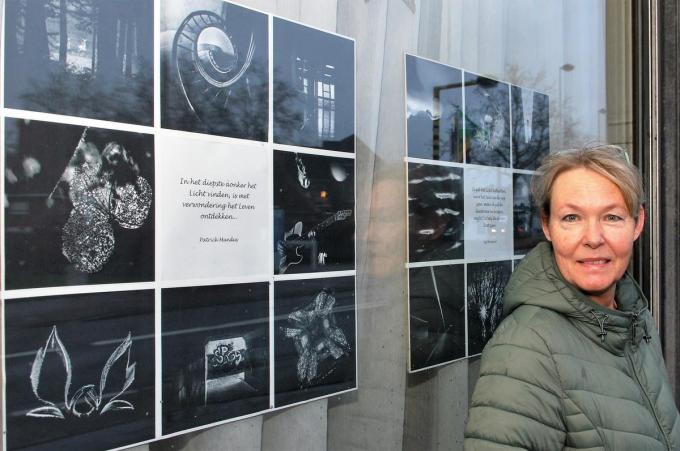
(79, 205)
(87, 58)
(313, 88)
(215, 342)
(435, 212)
(487, 121)
(315, 344)
(525, 215)
(485, 286)
(436, 315)
(80, 370)
(215, 69)
(313, 213)
(434, 110)
(530, 129)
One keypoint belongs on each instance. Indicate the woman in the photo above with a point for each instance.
(577, 364)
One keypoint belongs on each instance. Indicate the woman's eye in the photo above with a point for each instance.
(613, 218)
(570, 218)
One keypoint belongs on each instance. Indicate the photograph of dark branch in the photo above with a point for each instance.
(485, 287)
(215, 342)
(79, 205)
(526, 219)
(436, 315)
(487, 121)
(80, 371)
(530, 128)
(435, 213)
(434, 110)
(215, 69)
(87, 58)
(313, 88)
(313, 213)
(315, 338)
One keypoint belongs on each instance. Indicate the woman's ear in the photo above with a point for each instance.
(639, 223)
(544, 224)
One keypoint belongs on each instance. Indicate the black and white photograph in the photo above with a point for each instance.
(436, 315)
(527, 230)
(486, 283)
(79, 205)
(487, 121)
(87, 58)
(434, 110)
(435, 213)
(313, 213)
(313, 88)
(530, 129)
(215, 342)
(215, 69)
(80, 371)
(315, 344)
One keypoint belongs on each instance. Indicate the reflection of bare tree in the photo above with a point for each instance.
(561, 114)
(486, 285)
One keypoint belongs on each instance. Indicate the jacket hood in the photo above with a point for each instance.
(538, 282)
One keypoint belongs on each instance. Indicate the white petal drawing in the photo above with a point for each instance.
(53, 344)
(113, 404)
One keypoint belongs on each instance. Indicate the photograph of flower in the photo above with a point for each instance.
(315, 344)
(79, 205)
(80, 370)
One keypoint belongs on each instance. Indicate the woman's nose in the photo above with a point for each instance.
(593, 234)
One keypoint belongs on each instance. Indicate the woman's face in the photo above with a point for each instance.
(592, 232)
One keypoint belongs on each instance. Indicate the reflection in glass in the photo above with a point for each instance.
(487, 121)
(531, 128)
(90, 58)
(215, 69)
(526, 218)
(434, 110)
(313, 88)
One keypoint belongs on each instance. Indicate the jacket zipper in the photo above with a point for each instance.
(637, 379)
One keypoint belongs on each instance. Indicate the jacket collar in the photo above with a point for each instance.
(537, 281)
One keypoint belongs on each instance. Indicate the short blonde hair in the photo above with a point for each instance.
(611, 162)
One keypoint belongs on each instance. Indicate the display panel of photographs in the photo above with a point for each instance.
(314, 222)
(435, 212)
(314, 338)
(531, 128)
(313, 88)
(90, 59)
(215, 345)
(79, 370)
(79, 205)
(486, 283)
(215, 69)
(434, 110)
(487, 121)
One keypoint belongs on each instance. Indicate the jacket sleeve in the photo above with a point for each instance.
(517, 403)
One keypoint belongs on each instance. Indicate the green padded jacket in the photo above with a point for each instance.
(564, 373)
